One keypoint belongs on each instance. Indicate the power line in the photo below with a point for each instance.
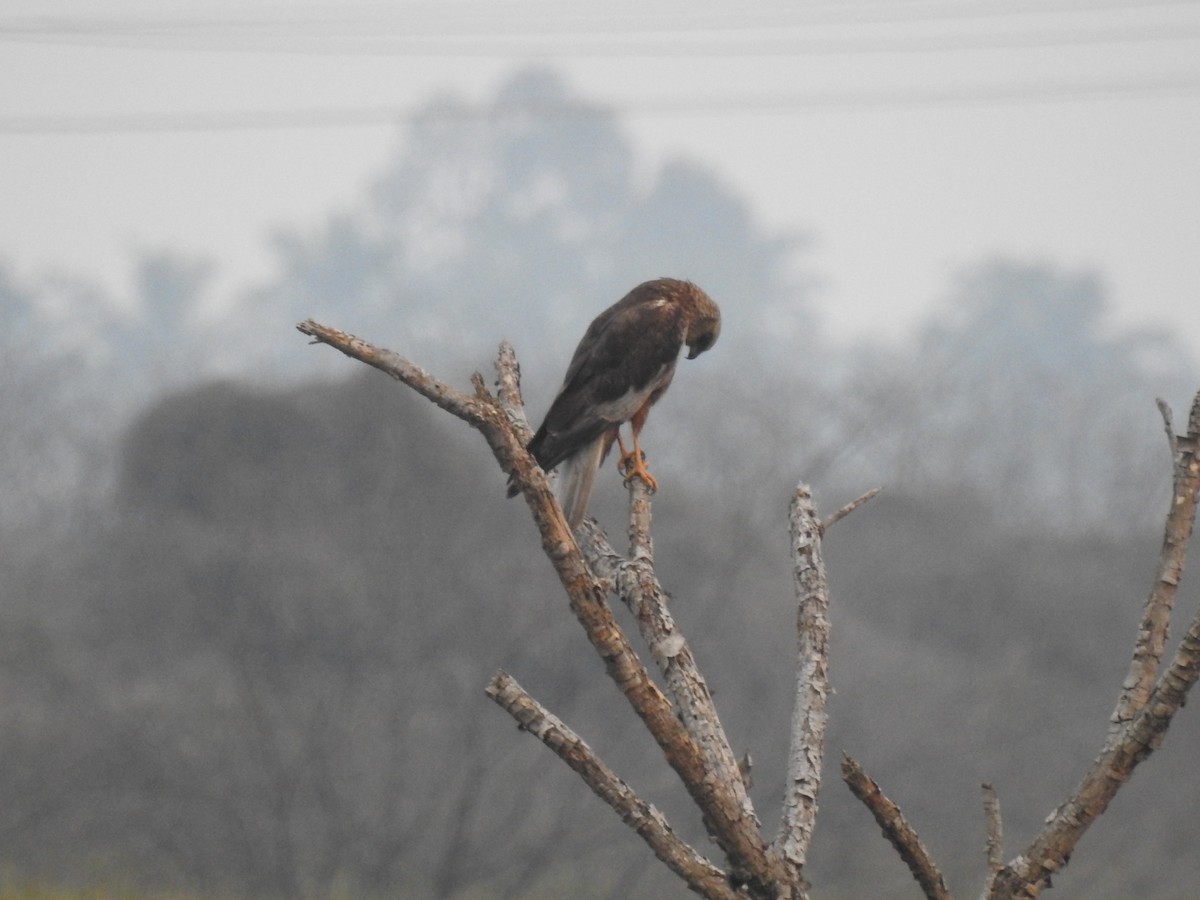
(350, 117)
(557, 46)
(490, 27)
(239, 120)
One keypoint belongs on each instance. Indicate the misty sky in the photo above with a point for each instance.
(905, 138)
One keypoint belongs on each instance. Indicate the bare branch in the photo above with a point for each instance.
(734, 823)
(508, 391)
(685, 723)
(896, 830)
(650, 824)
(809, 717)
(1156, 615)
(730, 821)
(1143, 713)
(1169, 425)
(641, 547)
(831, 520)
(485, 413)
(1029, 874)
(450, 399)
(587, 597)
(994, 844)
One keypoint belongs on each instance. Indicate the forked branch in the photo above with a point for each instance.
(1156, 614)
(687, 730)
(683, 720)
(1145, 706)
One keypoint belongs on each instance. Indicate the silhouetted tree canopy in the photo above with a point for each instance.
(519, 223)
(252, 660)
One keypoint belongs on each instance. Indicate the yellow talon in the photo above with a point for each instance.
(632, 464)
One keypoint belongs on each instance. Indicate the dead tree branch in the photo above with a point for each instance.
(684, 722)
(994, 844)
(1144, 707)
(833, 518)
(636, 584)
(1144, 710)
(1156, 615)
(464, 406)
(809, 717)
(723, 802)
(650, 824)
(1030, 873)
(587, 597)
(896, 829)
(494, 421)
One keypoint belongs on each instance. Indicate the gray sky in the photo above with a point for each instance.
(907, 138)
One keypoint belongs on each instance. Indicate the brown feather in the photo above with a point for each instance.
(623, 365)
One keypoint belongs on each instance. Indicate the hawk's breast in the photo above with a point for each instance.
(622, 408)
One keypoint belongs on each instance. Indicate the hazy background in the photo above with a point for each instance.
(251, 595)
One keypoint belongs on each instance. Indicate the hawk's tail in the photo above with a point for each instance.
(576, 474)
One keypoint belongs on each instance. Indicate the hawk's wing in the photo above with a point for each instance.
(627, 354)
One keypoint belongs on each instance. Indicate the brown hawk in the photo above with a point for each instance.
(622, 366)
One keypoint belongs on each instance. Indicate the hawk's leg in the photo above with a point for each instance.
(632, 464)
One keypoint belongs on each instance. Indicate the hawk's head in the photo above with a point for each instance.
(704, 323)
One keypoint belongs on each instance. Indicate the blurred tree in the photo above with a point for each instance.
(184, 691)
(1020, 389)
(521, 221)
(265, 662)
(56, 419)
(162, 335)
(238, 679)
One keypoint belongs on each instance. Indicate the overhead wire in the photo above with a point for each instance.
(464, 28)
(575, 46)
(351, 117)
(730, 40)
(464, 25)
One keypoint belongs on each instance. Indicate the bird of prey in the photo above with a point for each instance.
(622, 366)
